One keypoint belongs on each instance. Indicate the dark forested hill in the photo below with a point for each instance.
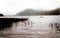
(28, 12)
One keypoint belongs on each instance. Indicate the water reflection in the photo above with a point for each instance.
(30, 29)
(55, 25)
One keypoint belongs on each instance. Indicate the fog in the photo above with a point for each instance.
(12, 7)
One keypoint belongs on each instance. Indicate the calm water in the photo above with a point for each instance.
(38, 30)
(30, 34)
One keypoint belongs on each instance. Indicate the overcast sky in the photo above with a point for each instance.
(11, 7)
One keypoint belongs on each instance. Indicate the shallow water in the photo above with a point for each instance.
(30, 34)
(38, 30)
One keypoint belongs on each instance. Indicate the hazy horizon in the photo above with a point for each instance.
(11, 7)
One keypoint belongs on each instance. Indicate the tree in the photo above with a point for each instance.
(1, 15)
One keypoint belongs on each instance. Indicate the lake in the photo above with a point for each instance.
(38, 28)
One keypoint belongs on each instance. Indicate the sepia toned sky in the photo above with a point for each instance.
(11, 7)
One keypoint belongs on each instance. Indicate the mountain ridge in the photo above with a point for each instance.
(28, 12)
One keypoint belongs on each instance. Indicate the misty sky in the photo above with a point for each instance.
(11, 7)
